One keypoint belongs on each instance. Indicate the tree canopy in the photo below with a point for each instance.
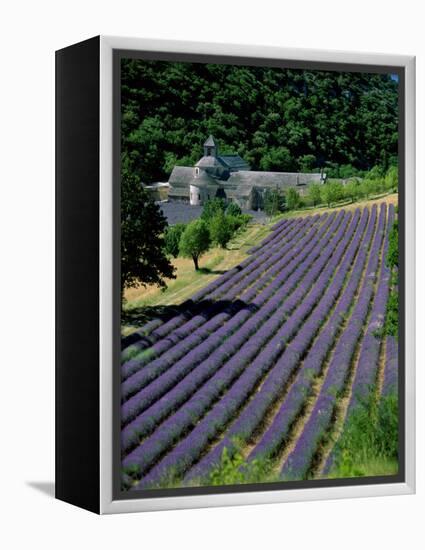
(195, 240)
(276, 119)
(143, 260)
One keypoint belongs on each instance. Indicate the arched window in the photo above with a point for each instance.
(197, 171)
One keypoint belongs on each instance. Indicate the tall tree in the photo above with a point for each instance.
(143, 260)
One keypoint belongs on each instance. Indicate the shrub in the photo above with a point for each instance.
(351, 190)
(274, 202)
(314, 193)
(233, 209)
(293, 199)
(370, 434)
(391, 179)
(332, 192)
(391, 318)
(234, 470)
(212, 207)
(172, 238)
(238, 222)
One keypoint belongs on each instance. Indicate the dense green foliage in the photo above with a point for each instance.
(221, 229)
(391, 318)
(293, 199)
(233, 470)
(314, 193)
(195, 241)
(213, 207)
(143, 260)
(332, 192)
(392, 255)
(276, 119)
(369, 436)
(274, 202)
(223, 220)
(172, 238)
(233, 209)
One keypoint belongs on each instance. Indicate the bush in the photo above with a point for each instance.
(391, 179)
(370, 434)
(332, 192)
(391, 317)
(233, 209)
(234, 470)
(238, 222)
(375, 173)
(274, 202)
(212, 207)
(351, 190)
(293, 199)
(172, 238)
(314, 193)
(367, 188)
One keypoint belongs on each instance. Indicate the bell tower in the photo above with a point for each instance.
(210, 147)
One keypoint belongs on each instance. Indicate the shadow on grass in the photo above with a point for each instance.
(208, 271)
(138, 317)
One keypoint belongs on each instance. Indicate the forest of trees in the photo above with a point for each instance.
(276, 119)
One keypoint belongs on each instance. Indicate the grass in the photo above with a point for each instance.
(368, 445)
(142, 301)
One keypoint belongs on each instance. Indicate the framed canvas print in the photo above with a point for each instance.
(235, 274)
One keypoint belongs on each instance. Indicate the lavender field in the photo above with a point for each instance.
(267, 361)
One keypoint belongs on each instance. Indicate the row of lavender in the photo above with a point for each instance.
(203, 302)
(220, 348)
(233, 356)
(279, 231)
(243, 285)
(209, 334)
(205, 379)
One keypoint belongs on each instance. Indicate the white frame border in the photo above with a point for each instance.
(107, 505)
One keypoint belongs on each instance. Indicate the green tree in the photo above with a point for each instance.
(172, 237)
(277, 119)
(374, 173)
(332, 192)
(233, 209)
(314, 193)
(212, 207)
(195, 241)
(221, 229)
(391, 179)
(143, 260)
(276, 158)
(293, 199)
(307, 163)
(274, 202)
(347, 171)
(351, 190)
(367, 187)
